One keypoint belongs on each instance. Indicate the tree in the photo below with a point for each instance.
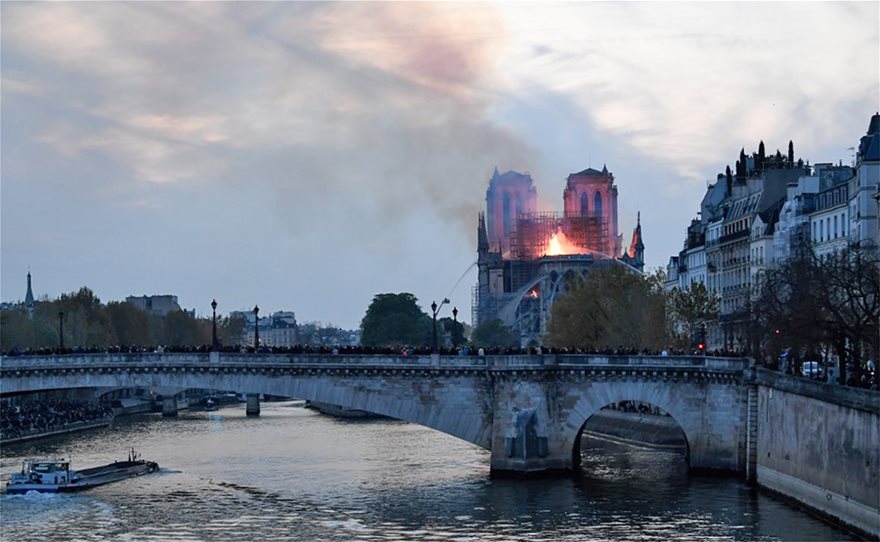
(181, 329)
(493, 334)
(395, 319)
(807, 302)
(613, 307)
(130, 324)
(86, 322)
(17, 332)
(690, 310)
(453, 328)
(230, 330)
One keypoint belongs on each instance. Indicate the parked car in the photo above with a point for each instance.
(812, 369)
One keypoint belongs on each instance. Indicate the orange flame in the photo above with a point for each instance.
(559, 245)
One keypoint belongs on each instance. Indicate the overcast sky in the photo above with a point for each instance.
(307, 156)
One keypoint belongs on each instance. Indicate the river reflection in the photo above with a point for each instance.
(293, 474)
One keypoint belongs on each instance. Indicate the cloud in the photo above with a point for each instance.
(20, 86)
(379, 99)
(688, 85)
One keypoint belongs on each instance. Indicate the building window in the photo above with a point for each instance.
(584, 204)
(835, 227)
(597, 204)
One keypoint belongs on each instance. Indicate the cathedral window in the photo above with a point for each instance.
(584, 204)
(597, 204)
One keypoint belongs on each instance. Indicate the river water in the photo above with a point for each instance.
(293, 474)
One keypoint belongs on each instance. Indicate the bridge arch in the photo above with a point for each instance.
(456, 403)
(709, 413)
(576, 449)
(667, 398)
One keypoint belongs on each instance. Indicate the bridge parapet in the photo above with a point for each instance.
(77, 360)
(708, 362)
(501, 362)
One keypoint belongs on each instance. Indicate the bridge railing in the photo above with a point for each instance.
(708, 362)
(75, 360)
(617, 361)
(354, 360)
(233, 359)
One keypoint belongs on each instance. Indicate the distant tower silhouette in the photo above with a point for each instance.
(29, 298)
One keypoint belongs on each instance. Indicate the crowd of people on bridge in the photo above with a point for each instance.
(402, 350)
(46, 416)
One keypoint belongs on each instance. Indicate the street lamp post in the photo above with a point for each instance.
(435, 309)
(214, 342)
(256, 328)
(61, 330)
(454, 327)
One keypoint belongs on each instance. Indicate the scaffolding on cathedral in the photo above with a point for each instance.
(535, 237)
(532, 234)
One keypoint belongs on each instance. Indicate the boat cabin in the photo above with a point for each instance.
(43, 471)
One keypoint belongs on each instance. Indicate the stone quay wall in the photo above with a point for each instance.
(817, 443)
(635, 428)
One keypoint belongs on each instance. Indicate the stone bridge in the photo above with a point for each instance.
(529, 411)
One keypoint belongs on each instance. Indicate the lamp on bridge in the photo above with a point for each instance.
(61, 330)
(256, 328)
(454, 327)
(214, 342)
(435, 309)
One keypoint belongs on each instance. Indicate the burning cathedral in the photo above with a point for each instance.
(526, 258)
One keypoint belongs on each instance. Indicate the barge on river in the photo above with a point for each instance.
(55, 475)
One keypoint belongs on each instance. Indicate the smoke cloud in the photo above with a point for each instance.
(379, 109)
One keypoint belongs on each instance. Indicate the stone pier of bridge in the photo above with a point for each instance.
(169, 406)
(252, 407)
